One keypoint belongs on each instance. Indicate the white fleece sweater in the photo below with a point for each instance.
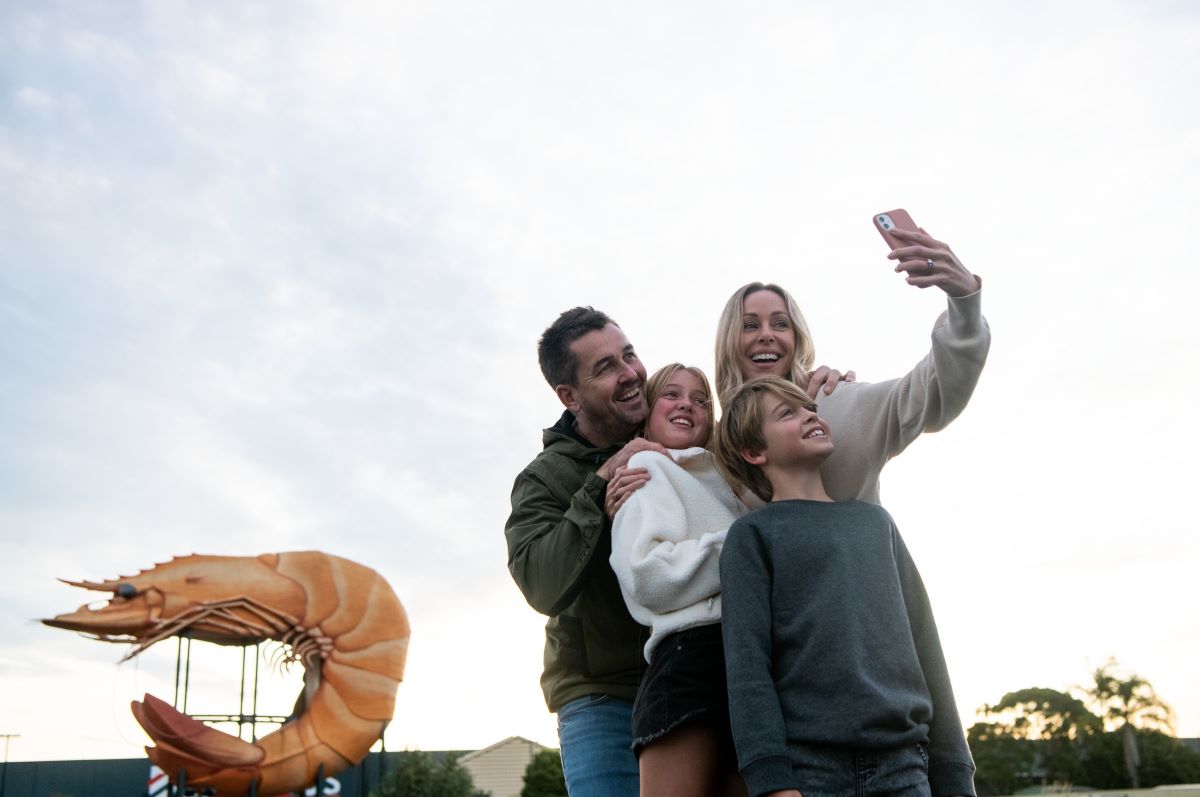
(666, 542)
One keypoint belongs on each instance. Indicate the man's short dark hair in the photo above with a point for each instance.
(554, 348)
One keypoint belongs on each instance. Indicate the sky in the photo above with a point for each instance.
(272, 277)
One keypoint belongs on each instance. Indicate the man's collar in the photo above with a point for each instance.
(567, 424)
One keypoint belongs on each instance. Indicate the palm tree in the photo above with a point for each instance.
(1127, 703)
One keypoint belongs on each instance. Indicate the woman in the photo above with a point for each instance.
(666, 545)
(762, 332)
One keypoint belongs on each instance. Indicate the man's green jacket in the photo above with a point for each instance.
(558, 547)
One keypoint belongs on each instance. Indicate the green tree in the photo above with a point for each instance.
(1128, 702)
(1059, 722)
(544, 776)
(1116, 734)
(417, 774)
(1003, 763)
(1164, 760)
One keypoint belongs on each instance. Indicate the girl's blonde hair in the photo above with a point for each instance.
(657, 383)
(729, 340)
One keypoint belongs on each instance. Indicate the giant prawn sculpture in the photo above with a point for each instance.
(340, 619)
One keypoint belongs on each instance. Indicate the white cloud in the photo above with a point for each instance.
(35, 99)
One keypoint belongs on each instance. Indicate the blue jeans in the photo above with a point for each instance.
(595, 734)
(831, 772)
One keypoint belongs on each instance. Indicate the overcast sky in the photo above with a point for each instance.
(271, 278)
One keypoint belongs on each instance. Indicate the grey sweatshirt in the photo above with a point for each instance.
(830, 641)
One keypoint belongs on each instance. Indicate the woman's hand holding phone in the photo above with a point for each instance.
(926, 261)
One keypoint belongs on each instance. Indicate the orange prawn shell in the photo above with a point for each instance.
(342, 619)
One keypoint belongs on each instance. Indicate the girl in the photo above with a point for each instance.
(666, 546)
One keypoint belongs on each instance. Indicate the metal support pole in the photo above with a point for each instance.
(382, 758)
(178, 661)
(4, 772)
(320, 780)
(242, 696)
(254, 704)
(187, 673)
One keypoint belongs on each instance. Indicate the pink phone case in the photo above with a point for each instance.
(893, 219)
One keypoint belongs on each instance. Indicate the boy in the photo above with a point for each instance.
(837, 682)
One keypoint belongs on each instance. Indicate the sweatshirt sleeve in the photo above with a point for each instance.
(872, 422)
(756, 716)
(664, 558)
(553, 534)
(951, 768)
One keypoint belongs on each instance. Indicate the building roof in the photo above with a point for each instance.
(500, 768)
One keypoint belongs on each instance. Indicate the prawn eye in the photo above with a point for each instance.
(126, 590)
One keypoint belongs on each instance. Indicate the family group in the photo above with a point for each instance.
(731, 611)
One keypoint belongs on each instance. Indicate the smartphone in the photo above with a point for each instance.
(897, 219)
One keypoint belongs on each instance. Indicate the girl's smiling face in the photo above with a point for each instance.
(679, 416)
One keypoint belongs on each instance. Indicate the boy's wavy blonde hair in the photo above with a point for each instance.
(741, 429)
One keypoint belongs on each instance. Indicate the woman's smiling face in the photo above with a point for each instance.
(679, 416)
(768, 342)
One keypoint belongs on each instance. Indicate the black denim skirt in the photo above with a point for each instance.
(685, 683)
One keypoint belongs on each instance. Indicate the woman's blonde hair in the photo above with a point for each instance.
(657, 383)
(729, 340)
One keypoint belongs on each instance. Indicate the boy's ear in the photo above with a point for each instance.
(754, 457)
(566, 394)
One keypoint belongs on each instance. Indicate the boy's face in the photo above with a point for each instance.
(794, 435)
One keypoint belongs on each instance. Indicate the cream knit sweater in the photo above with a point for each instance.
(872, 422)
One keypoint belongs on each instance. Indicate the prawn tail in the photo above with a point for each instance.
(210, 757)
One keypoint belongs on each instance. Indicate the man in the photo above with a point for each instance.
(559, 544)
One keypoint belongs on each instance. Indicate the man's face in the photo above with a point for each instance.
(608, 397)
